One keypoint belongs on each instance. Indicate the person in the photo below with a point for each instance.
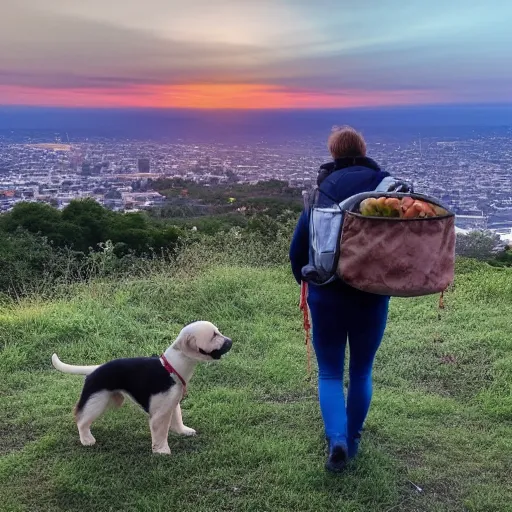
(339, 311)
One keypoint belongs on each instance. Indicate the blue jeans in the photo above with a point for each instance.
(362, 321)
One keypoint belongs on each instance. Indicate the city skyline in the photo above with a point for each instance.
(254, 55)
(468, 172)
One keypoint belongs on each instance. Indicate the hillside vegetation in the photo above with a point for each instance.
(441, 416)
(42, 247)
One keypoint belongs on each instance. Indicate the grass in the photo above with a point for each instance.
(441, 417)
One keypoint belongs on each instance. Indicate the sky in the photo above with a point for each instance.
(254, 54)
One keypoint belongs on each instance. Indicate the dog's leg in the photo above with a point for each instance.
(177, 423)
(92, 410)
(159, 425)
(160, 410)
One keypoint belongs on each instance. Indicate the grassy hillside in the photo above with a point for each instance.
(441, 416)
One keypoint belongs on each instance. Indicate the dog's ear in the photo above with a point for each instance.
(191, 342)
(186, 341)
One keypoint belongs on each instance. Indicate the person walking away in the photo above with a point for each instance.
(340, 312)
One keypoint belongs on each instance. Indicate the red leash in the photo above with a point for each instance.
(306, 323)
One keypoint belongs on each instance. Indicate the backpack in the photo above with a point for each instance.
(325, 216)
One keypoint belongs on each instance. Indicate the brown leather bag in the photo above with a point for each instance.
(394, 256)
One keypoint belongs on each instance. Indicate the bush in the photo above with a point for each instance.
(32, 263)
(481, 245)
(503, 259)
(29, 264)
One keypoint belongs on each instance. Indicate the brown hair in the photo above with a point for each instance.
(346, 141)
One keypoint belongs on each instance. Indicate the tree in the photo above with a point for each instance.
(477, 244)
(36, 218)
(93, 220)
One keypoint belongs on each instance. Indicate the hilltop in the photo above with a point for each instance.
(441, 415)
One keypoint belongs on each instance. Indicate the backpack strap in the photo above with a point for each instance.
(390, 184)
(306, 198)
(385, 185)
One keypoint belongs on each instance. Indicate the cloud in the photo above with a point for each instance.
(316, 48)
(55, 49)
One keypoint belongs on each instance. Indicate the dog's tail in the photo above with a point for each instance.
(69, 368)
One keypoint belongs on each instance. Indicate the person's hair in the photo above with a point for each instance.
(346, 141)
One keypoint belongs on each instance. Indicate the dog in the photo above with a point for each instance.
(157, 384)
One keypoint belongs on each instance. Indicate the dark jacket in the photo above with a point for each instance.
(339, 179)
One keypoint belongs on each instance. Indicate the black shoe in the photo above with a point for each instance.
(338, 457)
(353, 446)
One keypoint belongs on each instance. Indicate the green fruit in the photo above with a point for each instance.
(386, 211)
(367, 207)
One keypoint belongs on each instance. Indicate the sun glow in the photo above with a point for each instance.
(210, 96)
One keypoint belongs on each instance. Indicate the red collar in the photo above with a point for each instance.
(170, 368)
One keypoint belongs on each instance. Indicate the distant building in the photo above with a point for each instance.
(471, 221)
(144, 165)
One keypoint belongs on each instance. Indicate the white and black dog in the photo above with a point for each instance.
(157, 384)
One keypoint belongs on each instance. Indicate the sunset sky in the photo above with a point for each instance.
(254, 53)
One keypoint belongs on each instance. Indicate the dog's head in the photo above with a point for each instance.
(202, 341)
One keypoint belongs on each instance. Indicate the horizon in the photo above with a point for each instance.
(251, 126)
(376, 108)
(267, 55)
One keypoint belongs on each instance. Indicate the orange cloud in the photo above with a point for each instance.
(211, 96)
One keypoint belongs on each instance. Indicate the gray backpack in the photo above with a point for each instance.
(325, 216)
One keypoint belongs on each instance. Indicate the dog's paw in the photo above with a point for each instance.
(187, 431)
(88, 440)
(163, 450)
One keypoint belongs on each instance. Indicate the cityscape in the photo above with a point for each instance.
(471, 174)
